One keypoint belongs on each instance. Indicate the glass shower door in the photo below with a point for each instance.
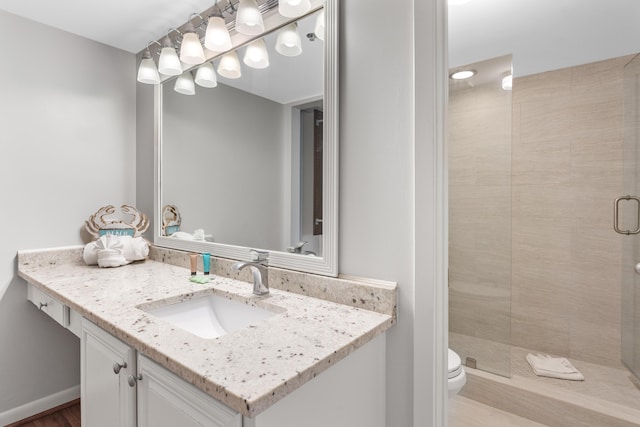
(627, 220)
(479, 161)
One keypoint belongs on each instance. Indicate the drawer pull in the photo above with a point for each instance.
(117, 366)
(42, 305)
(132, 380)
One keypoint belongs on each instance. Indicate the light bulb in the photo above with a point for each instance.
(256, 55)
(206, 75)
(169, 63)
(288, 42)
(217, 38)
(229, 66)
(293, 8)
(184, 84)
(249, 19)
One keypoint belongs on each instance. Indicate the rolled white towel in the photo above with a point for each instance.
(90, 253)
(136, 248)
(182, 235)
(114, 251)
(111, 258)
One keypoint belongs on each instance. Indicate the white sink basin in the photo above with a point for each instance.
(211, 316)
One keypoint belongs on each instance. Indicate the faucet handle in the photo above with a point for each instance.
(259, 255)
(297, 248)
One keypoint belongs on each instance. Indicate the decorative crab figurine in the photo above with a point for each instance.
(99, 224)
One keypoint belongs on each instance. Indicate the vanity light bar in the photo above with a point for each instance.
(226, 9)
(229, 8)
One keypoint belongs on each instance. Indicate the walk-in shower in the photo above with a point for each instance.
(535, 264)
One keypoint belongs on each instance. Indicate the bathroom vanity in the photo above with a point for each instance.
(317, 359)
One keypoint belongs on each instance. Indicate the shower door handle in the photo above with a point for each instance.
(616, 213)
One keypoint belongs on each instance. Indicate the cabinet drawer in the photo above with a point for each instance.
(54, 308)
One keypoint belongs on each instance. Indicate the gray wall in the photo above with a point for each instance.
(376, 173)
(67, 123)
(223, 164)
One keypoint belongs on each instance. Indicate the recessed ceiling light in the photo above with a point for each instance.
(462, 74)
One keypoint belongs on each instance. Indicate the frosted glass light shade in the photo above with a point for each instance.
(217, 38)
(206, 75)
(319, 30)
(147, 72)
(507, 82)
(169, 63)
(191, 51)
(249, 19)
(293, 8)
(229, 66)
(184, 84)
(256, 55)
(288, 42)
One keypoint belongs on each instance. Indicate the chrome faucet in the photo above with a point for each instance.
(297, 248)
(259, 269)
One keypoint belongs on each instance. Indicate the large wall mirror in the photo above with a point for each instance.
(252, 162)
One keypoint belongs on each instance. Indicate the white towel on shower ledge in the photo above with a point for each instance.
(553, 367)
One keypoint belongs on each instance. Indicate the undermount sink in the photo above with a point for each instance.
(211, 316)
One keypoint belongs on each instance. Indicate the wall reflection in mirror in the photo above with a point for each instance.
(242, 161)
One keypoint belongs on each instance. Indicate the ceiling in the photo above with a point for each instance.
(124, 24)
(543, 35)
(554, 30)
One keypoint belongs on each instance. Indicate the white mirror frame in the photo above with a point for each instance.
(327, 264)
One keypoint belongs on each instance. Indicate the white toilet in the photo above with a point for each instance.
(456, 375)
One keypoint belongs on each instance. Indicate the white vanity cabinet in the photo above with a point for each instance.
(118, 390)
(106, 399)
(329, 377)
(144, 394)
(166, 400)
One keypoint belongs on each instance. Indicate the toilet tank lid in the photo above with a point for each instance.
(454, 361)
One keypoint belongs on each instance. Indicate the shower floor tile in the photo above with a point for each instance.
(465, 412)
(608, 396)
(601, 382)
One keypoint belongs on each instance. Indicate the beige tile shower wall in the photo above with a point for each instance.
(567, 158)
(480, 218)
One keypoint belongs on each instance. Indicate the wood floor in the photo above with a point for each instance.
(67, 415)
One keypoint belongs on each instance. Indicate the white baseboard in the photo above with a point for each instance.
(32, 408)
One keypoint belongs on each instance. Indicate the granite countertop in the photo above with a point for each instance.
(248, 370)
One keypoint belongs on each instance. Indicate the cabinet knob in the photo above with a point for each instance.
(117, 366)
(132, 380)
(42, 305)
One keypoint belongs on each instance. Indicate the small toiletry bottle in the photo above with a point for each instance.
(206, 263)
(194, 263)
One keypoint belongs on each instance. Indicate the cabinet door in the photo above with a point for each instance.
(165, 400)
(106, 363)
